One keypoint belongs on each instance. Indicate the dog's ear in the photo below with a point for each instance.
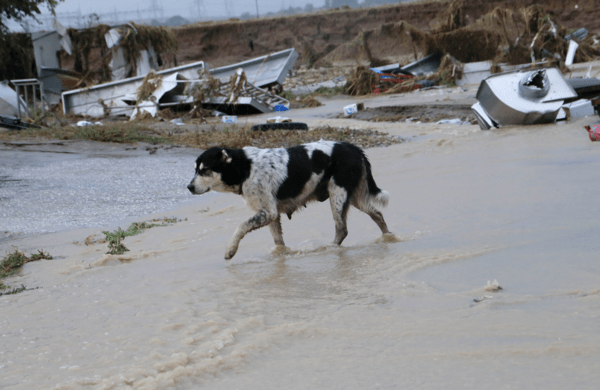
(225, 158)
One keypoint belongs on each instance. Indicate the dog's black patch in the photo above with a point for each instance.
(372, 187)
(347, 171)
(232, 173)
(298, 174)
(319, 161)
(300, 169)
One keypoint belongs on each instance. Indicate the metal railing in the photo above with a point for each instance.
(35, 86)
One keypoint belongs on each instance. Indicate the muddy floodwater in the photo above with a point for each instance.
(516, 206)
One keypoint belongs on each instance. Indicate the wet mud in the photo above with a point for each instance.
(469, 209)
(424, 113)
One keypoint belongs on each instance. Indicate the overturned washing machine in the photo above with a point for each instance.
(521, 98)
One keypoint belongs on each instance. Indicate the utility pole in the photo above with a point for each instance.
(257, 16)
(228, 8)
(154, 6)
(200, 8)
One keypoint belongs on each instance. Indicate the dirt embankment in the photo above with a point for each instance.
(316, 35)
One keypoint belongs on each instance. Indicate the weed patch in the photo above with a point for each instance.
(288, 95)
(117, 133)
(11, 264)
(326, 91)
(239, 137)
(120, 132)
(15, 290)
(115, 245)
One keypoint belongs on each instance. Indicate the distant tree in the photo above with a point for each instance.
(18, 10)
(16, 55)
(309, 7)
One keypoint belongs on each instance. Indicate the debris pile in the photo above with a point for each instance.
(310, 101)
(103, 53)
(191, 88)
(532, 97)
(151, 83)
(362, 81)
(505, 39)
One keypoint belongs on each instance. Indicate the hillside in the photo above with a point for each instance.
(315, 35)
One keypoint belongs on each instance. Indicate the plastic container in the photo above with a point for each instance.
(594, 132)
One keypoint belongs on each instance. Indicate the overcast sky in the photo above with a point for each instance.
(74, 12)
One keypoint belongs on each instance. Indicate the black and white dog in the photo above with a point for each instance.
(275, 181)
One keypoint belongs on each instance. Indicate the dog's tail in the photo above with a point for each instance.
(377, 197)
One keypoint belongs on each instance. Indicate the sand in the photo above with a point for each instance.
(516, 205)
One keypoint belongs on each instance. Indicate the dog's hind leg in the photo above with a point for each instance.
(338, 198)
(262, 218)
(377, 217)
(276, 232)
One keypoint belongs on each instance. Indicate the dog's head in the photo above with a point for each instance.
(211, 167)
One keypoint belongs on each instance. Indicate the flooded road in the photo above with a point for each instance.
(514, 205)
(48, 188)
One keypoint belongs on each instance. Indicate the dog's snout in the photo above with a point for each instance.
(191, 187)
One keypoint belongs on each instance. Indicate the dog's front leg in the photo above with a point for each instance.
(276, 231)
(262, 218)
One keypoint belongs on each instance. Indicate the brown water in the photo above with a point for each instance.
(518, 206)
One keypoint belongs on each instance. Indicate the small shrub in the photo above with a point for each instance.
(116, 247)
(288, 95)
(14, 261)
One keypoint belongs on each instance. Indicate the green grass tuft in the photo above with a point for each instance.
(16, 290)
(11, 264)
(116, 247)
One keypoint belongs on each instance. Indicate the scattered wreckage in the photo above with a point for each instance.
(519, 95)
(136, 86)
(526, 97)
(225, 89)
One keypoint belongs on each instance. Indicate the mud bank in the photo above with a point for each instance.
(316, 35)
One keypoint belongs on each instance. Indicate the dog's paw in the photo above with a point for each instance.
(281, 250)
(230, 252)
(388, 238)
